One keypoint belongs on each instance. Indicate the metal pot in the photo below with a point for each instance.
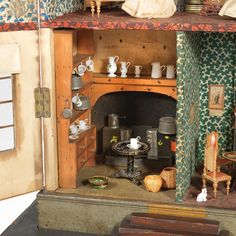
(67, 113)
(113, 121)
(167, 125)
(76, 82)
(84, 105)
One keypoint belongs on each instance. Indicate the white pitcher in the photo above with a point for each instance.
(137, 70)
(157, 70)
(112, 67)
(124, 68)
(170, 71)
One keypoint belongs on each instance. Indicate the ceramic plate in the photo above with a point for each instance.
(129, 146)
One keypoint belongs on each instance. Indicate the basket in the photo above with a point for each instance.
(168, 175)
(153, 183)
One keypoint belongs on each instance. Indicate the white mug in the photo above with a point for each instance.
(81, 69)
(73, 129)
(170, 71)
(89, 64)
(83, 124)
(157, 70)
(137, 70)
(134, 142)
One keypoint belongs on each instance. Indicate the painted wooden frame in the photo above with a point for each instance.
(216, 96)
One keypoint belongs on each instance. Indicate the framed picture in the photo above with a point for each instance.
(216, 96)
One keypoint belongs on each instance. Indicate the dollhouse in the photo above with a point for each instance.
(203, 50)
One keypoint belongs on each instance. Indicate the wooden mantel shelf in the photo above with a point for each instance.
(117, 19)
(144, 80)
(102, 85)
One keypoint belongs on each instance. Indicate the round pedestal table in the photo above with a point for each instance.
(232, 157)
(123, 150)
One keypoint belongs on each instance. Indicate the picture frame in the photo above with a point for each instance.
(216, 96)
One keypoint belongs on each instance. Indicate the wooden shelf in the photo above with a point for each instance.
(76, 115)
(118, 19)
(142, 81)
(82, 135)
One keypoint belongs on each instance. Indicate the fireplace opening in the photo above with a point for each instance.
(139, 112)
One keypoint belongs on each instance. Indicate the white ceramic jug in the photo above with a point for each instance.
(157, 70)
(124, 68)
(137, 70)
(170, 71)
(112, 67)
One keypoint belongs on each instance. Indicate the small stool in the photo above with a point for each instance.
(98, 5)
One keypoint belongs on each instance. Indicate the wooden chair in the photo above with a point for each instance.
(98, 5)
(210, 171)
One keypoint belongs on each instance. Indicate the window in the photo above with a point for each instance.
(7, 128)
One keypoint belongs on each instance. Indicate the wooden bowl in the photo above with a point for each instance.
(98, 182)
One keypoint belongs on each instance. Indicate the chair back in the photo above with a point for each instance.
(211, 151)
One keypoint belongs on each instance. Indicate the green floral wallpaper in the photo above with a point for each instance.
(13, 11)
(203, 59)
(188, 78)
(218, 62)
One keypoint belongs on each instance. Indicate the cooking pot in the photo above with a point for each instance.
(67, 113)
(84, 105)
(113, 121)
(167, 125)
(76, 82)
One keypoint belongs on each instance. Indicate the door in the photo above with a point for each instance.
(20, 138)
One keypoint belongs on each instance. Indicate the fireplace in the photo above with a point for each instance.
(139, 112)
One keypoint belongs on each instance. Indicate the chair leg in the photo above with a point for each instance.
(203, 182)
(227, 187)
(98, 3)
(92, 4)
(215, 185)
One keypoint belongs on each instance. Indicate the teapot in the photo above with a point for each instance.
(124, 68)
(112, 67)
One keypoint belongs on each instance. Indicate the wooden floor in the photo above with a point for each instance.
(123, 189)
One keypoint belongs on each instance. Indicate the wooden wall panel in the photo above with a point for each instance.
(138, 47)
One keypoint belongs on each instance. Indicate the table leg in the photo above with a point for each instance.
(130, 165)
(233, 180)
(130, 172)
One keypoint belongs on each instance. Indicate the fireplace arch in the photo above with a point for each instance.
(103, 85)
(137, 108)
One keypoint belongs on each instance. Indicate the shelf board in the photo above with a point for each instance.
(76, 115)
(141, 81)
(118, 19)
(81, 135)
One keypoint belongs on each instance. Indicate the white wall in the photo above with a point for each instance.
(11, 208)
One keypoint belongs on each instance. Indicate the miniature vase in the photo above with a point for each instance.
(112, 66)
(124, 68)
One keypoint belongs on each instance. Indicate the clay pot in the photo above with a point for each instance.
(153, 183)
(168, 175)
